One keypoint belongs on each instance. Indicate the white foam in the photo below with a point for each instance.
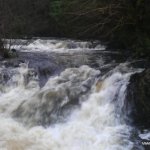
(58, 46)
(145, 135)
(94, 126)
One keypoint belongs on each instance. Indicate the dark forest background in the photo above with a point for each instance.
(121, 24)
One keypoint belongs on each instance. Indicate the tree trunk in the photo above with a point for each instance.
(1, 48)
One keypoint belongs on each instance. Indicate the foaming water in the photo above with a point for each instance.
(92, 125)
(145, 135)
(51, 45)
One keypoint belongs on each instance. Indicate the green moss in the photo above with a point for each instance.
(9, 54)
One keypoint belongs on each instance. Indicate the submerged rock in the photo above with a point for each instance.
(138, 98)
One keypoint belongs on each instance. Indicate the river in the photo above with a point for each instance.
(63, 94)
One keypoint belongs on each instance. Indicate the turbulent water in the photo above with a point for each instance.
(54, 45)
(79, 107)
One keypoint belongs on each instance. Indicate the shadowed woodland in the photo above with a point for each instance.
(120, 24)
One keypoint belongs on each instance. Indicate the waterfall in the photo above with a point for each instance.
(65, 95)
(75, 110)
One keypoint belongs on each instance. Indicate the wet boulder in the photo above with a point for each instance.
(138, 98)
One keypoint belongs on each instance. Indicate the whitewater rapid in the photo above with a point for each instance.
(91, 124)
(53, 45)
(62, 94)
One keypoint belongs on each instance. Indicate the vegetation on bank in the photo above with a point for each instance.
(122, 24)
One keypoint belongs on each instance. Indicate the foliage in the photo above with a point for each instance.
(121, 24)
(56, 9)
(124, 24)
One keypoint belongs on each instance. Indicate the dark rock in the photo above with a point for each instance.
(140, 64)
(8, 54)
(14, 50)
(138, 98)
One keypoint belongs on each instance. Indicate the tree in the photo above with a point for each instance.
(124, 24)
